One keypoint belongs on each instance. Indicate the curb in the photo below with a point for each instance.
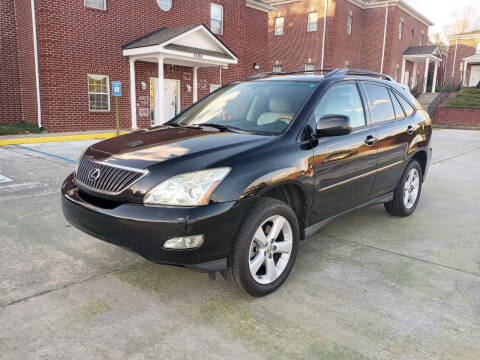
(58, 138)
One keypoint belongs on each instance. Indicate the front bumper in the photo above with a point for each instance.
(144, 229)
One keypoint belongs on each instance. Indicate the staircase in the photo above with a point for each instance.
(426, 99)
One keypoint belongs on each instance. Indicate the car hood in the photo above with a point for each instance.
(164, 145)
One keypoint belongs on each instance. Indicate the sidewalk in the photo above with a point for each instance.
(62, 136)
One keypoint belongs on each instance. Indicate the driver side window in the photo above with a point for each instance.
(342, 99)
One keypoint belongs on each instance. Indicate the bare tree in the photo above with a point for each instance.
(463, 20)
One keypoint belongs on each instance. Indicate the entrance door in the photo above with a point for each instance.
(474, 75)
(171, 100)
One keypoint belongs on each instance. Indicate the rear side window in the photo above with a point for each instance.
(342, 99)
(399, 114)
(409, 110)
(380, 103)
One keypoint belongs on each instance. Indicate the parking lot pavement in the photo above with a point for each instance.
(366, 286)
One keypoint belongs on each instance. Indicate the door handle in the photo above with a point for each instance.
(370, 140)
(410, 130)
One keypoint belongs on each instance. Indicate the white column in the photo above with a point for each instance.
(403, 71)
(434, 84)
(195, 84)
(159, 98)
(414, 75)
(133, 95)
(425, 77)
(465, 65)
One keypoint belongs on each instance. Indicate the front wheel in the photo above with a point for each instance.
(407, 193)
(265, 248)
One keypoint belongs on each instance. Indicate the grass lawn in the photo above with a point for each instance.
(466, 98)
(19, 128)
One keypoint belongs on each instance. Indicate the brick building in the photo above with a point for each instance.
(463, 63)
(58, 59)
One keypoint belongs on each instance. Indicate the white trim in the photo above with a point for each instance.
(99, 93)
(195, 84)
(212, 36)
(465, 36)
(400, 3)
(260, 6)
(37, 72)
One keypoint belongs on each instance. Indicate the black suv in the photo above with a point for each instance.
(235, 181)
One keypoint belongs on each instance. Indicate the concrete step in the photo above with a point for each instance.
(426, 99)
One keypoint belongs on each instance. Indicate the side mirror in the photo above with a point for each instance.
(334, 125)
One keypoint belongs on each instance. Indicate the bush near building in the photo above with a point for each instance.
(466, 98)
(19, 128)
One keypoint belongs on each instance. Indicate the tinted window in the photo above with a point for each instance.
(380, 103)
(399, 114)
(257, 106)
(406, 105)
(342, 99)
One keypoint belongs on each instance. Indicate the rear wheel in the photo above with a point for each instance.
(265, 248)
(407, 193)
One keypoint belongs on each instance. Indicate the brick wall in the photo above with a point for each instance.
(10, 91)
(340, 47)
(294, 48)
(456, 117)
(257, 42)
(466, 48)
(93, 46)
(26, 60)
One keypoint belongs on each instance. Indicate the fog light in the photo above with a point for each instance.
(186, 242)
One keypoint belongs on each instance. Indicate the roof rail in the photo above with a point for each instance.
(265, 74)
(346, 71)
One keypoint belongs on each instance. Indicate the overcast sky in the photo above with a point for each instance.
(439, 11)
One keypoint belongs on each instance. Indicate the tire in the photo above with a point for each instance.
(399, 206)
(246, 254)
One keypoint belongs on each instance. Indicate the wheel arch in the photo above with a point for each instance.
(422, 158)
(293, 195)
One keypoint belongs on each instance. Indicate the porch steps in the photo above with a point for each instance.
(426, 99)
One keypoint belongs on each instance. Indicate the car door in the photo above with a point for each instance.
(395, 130)
(344, 165)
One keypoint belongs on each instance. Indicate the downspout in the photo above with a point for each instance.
(35, 55)
(324, 31)
(454, 59)
(384, 36)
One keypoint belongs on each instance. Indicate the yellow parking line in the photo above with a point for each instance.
(57, 138)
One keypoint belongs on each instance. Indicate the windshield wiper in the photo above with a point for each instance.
(223, 128)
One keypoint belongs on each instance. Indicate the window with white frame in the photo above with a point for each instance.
(309, 67)
(421, 40)
(349, 24)
(96, 4)
(400, 31)
(279, 21)
(98, 93)
(478, 49)
(312, 21)
(277, 68)
(216, 16)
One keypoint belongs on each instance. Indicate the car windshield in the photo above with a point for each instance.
(260, 107)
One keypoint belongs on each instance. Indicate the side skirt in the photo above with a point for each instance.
(314, 228)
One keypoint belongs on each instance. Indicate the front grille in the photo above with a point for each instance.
(106, 178)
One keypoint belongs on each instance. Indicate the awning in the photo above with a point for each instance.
(192, 45)
(420, 53)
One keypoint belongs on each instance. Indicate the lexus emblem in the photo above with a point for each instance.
(94, 174)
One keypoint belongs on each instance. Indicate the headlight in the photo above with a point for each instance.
(190, 189)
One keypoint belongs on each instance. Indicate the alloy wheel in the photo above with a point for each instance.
(270, 249)
(411, 188)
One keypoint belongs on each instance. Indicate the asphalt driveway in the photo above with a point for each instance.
(366, 286)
